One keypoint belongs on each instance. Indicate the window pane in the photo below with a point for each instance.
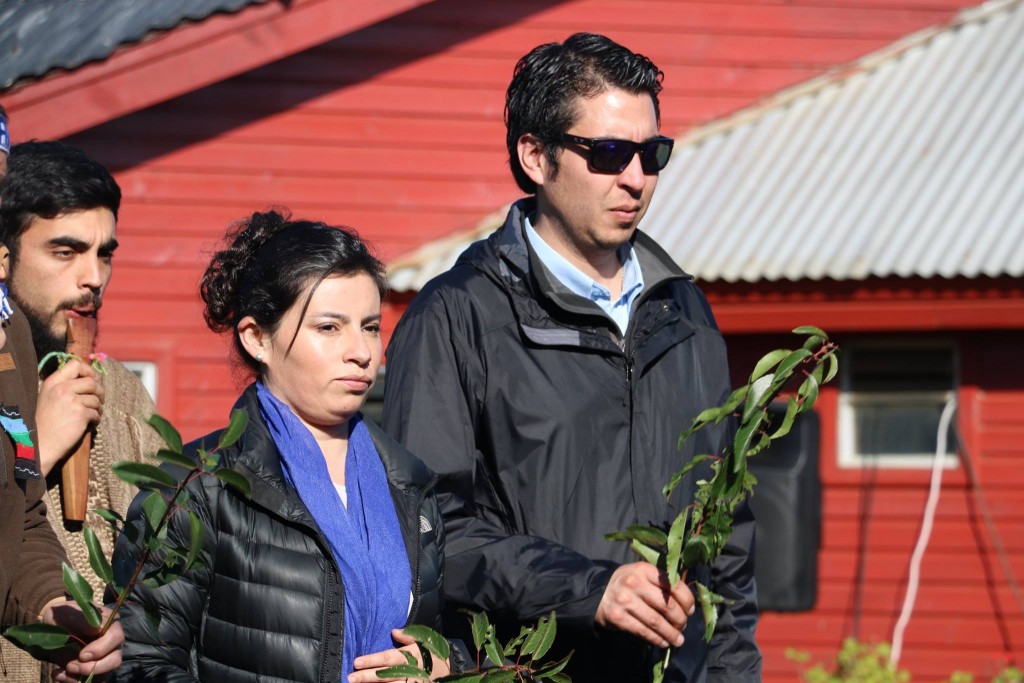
(891, 429)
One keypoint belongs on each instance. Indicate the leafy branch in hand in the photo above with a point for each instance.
(166, 496)
(517, 661)
(700, 532)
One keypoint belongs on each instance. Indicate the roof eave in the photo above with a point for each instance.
(185, 59)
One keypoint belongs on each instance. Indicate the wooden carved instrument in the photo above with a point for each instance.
(81, 341)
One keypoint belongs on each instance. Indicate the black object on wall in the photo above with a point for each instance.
(787, 506)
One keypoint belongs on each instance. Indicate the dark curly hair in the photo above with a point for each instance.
(268, 262)
(548, 82)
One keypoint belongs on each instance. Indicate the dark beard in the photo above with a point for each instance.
(42, 338)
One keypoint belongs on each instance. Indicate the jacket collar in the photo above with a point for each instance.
(537, 296)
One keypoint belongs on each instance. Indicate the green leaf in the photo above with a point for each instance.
(510, 646)
(235, 481)
(39, 635)
(546, 628)
(811, 329)
(111, 516)
(166, 431)
(696, 551)
(708, 607)
(196, 544)
(404, 671)
(492, 648)
(808, 392)
(658, 672)
(757, 397)
(480, 625)
(769, 361)
(558, 678)
(174, 458)
(645, 534)
(792, 408)
(735, 399)
(467, 677)
(674, 547)
(81, 591)
(646, 552)
(430, 639)
(552, 669)
(236, 425)
(812, 343)
(789, 363)
(500, 675)
(153, 509)
(678, 476)
(97, 559)
(741, 443)
(833, 367)
(143, 475)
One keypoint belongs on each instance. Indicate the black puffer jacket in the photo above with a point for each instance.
(549, 430)
(268, 605)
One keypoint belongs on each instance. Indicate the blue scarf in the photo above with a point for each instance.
(365, 538)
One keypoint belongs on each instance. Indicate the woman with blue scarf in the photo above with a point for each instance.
(341, 543)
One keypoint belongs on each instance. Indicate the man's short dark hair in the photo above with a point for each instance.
(547, 83)
(47, 179)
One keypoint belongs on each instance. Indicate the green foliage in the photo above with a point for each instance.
(518, 661)
(166, 498)
(700, 532)
(858, 662)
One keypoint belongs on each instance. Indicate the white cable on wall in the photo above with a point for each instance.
(926, 532)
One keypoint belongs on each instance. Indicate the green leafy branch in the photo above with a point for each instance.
(166, 497)
(518, 660)
(700, 532)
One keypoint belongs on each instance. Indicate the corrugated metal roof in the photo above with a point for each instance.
(909, 162)
(38, 36)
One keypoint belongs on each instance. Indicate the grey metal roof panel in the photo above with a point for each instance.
(911, 165)
(909, 162)
(37, 36)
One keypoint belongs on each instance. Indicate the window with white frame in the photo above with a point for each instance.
(146, 372)
(892, 395)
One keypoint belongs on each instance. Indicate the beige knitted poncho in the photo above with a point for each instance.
(122, 434)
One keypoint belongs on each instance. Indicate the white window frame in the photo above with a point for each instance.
(848, 457)
(148, 373)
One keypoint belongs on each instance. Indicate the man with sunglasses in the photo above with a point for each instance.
(547, 376)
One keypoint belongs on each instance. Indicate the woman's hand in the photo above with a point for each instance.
(367, 666)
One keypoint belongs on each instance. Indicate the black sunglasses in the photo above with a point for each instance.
(608, 155)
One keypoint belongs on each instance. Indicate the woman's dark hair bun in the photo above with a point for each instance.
(220, 284)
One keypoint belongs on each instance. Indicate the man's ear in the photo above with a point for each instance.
(533, 158)
(5, 262)
(254, 340)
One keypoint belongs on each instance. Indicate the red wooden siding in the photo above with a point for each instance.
(871, 519)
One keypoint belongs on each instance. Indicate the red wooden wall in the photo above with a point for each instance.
(872, 517)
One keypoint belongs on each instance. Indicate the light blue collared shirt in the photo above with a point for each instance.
(579, 283)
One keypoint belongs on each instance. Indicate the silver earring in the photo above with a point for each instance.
(259, 357)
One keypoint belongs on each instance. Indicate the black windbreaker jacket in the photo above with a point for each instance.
(269, 603)
(548, 431)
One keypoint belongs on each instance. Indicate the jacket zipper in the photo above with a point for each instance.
(417, 587)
